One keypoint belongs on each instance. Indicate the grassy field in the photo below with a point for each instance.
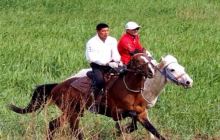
(43, 41)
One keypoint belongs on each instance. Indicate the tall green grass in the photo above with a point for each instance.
(43, 41)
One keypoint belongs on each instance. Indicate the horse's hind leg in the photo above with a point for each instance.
(74, 126)
(54, 125)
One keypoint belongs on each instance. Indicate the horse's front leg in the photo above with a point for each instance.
(132, 126)
(143, 119)
(152, 137)
(128, 128)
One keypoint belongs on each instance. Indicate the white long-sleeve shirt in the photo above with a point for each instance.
(100, 52)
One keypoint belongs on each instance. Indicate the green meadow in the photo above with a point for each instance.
(43, 41)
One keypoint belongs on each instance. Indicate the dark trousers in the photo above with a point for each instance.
(98, 75)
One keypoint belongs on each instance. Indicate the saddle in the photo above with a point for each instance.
(82, 84)
(85, 84)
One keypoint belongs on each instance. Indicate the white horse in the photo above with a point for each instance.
(168, 70)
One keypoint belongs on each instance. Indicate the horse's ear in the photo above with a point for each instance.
(161, 59)
(161, 64)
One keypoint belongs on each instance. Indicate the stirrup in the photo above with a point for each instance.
(93, 108)
(96, 103)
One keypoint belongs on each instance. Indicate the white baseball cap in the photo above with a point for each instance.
(132, 25)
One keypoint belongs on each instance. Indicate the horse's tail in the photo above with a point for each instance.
(40, 96)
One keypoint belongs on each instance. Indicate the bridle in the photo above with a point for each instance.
(132, 90)
(138, 90)
(165, 72)
(139, 70)
(168, 75)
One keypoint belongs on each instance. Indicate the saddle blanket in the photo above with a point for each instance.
(82, 84)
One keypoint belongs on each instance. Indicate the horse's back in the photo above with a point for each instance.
(62, 88)
(82, 84)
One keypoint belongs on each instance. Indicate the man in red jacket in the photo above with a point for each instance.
(129, 43)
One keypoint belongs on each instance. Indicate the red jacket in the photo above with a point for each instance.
(128, 44)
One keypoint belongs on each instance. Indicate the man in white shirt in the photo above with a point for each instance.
(102, 54)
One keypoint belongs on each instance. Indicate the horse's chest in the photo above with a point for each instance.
(136, 103)
(139, 107)
(125, 102)
(139, 102)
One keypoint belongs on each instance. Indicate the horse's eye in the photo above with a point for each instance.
(172, 70)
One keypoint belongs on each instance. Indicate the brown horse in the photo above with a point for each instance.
(122, 100)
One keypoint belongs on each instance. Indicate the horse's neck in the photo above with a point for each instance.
(153, 87)
(125, 84)
(133, 81)
(119, 96)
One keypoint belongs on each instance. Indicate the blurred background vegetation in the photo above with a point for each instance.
(43, 41)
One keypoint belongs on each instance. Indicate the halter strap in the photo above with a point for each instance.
(138, 91)
(137, 70)
(170, 76)
(132, 90)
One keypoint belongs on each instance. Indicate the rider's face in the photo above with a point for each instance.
(133, 32)
(103, 33)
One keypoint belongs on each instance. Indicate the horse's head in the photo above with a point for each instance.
(174, 72)
(141, 64)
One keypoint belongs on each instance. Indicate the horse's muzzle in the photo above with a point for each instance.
(187, 84)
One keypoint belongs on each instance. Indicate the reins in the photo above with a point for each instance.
(132, 90)
(137, 70)
(138, 91)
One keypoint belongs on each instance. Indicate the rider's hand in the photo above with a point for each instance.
(120, 64)
(113, 64)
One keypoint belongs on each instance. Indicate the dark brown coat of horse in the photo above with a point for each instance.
(122, 100)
